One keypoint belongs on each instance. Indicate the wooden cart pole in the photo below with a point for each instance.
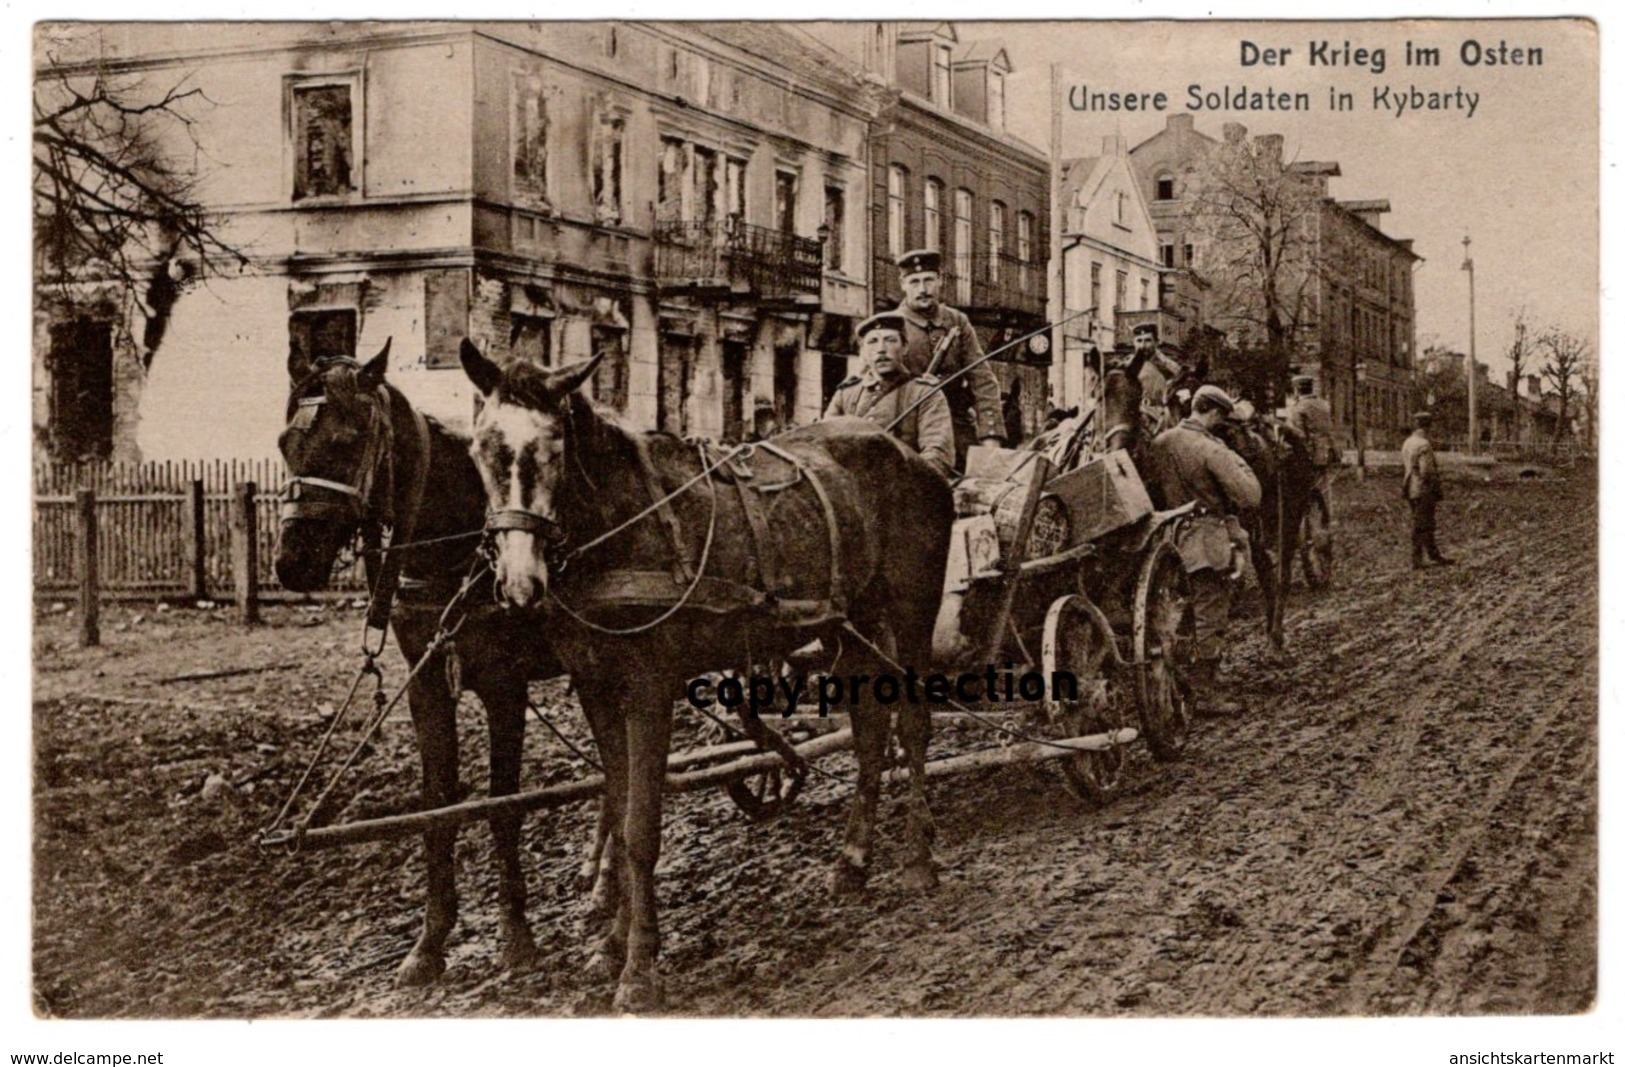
(197, 546)
(89, 595)
(245, 563)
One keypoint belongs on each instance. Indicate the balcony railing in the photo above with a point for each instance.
(738, 259)
(978, 282)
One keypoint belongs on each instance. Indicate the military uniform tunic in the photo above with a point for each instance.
(928, 429)
(973, 397)
(1312, 417)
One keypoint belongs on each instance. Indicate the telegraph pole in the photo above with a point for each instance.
(1472, 350)
(1057, 267)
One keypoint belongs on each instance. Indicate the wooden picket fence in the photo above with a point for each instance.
(164, 529)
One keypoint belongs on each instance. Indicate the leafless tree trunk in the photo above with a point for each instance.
(1566, 353)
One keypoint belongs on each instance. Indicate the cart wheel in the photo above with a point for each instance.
(767, 794)
(1074, 643)
(1164, 633)
(1315, 543)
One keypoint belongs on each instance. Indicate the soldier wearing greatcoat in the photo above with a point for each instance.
(886, 390)
(1191, 465)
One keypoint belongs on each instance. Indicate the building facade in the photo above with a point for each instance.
(686, 199)
(945, 174)
(1356, 333)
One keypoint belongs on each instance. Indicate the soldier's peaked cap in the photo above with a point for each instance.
(1422, 418)
(885, 320)
(1217, 395)
(1146, 327)
(919, 260)
(1299, 379)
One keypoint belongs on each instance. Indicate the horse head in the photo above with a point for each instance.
(336, 447)
(521, 447)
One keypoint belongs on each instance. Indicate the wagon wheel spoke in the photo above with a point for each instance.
(1162, 641)
(1074, 642)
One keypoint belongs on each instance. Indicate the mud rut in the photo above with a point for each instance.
(1404, 821)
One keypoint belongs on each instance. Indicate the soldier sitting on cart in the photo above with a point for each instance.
(1189, 464)
(886, 390)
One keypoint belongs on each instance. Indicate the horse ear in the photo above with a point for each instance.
(373, 371)
(485, 374)
(568, 378)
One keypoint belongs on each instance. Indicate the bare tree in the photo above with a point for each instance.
(1589, 399)
(115, 184)
(1566, 354)
(1518, 354)
(1251, 214)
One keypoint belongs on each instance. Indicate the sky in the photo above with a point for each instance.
(1520, 175)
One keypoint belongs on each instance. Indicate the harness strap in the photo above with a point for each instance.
(682, 567)
(763, 556)
(837, 579)
(389, 576)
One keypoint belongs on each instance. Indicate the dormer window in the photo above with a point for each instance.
(942, 76)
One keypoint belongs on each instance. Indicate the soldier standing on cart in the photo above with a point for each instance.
(1189, 464)
(940, 341)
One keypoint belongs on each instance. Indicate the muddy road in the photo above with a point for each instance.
(1403, 821)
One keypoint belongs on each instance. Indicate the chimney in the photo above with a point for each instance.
(1182, 123)
(1113, 146)
(1533, 382)
(1271, 146)
(1512, 382)
(1234, 133)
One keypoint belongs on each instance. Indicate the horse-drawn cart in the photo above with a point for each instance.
(1071, 574)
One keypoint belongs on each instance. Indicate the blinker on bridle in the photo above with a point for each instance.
(353, 505)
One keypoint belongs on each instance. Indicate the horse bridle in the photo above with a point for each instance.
(354, 498)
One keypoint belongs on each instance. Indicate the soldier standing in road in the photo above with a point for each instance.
(1310, 418)
(1423, 490)
(886, 390)
(1189, 464)
(940, 340)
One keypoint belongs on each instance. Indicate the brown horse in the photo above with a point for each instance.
(655, 562)
(360, 457)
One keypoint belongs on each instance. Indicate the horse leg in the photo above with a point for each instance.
(1264, 565)
(648, 736)
(871, 728)
(434, 716)
(505, 714)
(919, 870)
(598, 875)
(609, 734)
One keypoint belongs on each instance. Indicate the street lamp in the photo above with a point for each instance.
(1472, 350)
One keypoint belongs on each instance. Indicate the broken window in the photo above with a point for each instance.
(610, 381)
(670, 186)
(530, 337)
(784, 200)
(734, 189)
(707, 189)
(445, 316)
(314, 335)
(834, 226)
(81, 366)
(322, 130)
(608, 158)
(529, 131)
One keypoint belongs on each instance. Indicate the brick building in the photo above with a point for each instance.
(1357, 333)
(946, 174)
(686, 198)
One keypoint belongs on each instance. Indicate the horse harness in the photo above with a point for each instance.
(685, 583)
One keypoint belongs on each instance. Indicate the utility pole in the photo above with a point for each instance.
(1056, 275)
(1472, 350)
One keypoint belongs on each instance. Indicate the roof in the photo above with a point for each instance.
(798, 54)
(1322, 170)
(991, 51)
(1075, 174)
(1364, 205)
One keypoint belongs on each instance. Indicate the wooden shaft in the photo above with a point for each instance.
(245, 552)
(393, 826)
(89, 596)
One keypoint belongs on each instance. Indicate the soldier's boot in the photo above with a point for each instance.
(1210, 693)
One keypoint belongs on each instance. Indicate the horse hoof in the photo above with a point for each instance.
(920, 877)
(639, 996)
(520, 954)
(420, 968)
(847, 878)
(605, 963)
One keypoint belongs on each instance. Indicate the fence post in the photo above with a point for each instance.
(245, 552)
(89, 596)
(197, 545)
